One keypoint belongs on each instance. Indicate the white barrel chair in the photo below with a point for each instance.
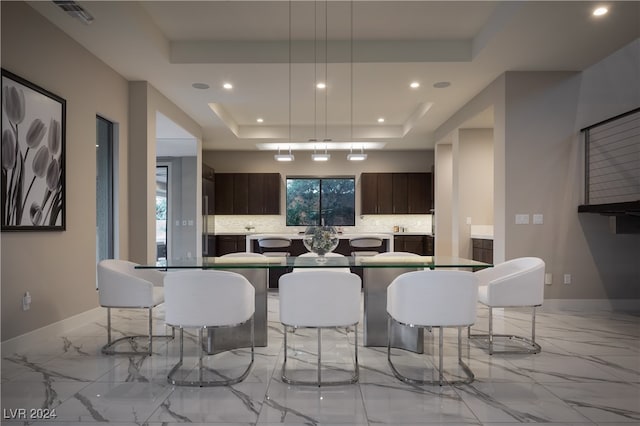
(207, 299)
(322, 268)
(121, 285)
(512, 284)
(320, 299)
(429, 299)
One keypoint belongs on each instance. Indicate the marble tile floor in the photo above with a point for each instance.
(587, 374)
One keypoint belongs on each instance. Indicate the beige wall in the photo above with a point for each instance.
(263, 162)
(443, 199)
(145, 102)
(545, 175)
(538, 169)
(58, 268)
(473, 165)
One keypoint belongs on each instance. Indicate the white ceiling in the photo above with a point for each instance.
(273, 58)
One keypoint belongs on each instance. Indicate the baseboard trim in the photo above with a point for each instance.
(622, 305)
(35, 337)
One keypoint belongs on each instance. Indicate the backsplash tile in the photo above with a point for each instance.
(276, 223)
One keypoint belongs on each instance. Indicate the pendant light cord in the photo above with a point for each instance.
(290, 75)
(326, 67)
(351, 70)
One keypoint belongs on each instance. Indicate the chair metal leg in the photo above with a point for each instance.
(490, 331)
(470, 376)
(150, 332)
(109, 348)
(319, 356)
(201, 382)
(353, 379)
(440, 360)
(530, 346)
(108, 326)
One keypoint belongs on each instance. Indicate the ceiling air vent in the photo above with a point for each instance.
(74, 10)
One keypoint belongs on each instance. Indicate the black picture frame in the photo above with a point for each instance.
(33, 157)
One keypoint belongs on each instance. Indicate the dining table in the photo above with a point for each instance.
(378, 273)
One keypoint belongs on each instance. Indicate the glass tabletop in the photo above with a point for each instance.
(430, 262)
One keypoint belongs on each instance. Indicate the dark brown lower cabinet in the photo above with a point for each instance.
(226, 244)
(482, 250)
(418, 244)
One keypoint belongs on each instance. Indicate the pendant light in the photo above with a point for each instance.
(284, 157)
(288, 157)
(320, 157)
(351, 156)
(361, 156)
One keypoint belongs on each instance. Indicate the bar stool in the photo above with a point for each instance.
(274, 246)
(365, 246)
(278, 247)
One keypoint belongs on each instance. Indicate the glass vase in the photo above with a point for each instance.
(321, 240)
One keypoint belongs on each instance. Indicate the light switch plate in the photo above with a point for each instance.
(548, 278)
(538, 219)
(522, 219)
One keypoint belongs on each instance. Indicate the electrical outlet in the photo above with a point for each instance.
(567, 278)
(26, 301)
(538, 219)
(548, 278)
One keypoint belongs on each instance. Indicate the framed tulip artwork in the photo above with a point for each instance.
(33, 164)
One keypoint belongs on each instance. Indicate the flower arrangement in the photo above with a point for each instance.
(321, 239)
(32, 182)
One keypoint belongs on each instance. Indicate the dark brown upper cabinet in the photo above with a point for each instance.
(240, 193)
(377, 193)
(208, 190)
(419, 194)
(247, 193)
(264, 193)
(395, 193)
(224, 193)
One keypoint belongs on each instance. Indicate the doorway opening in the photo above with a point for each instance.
(104, 189)
(162, 213)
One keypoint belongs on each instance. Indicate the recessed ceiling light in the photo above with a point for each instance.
(441, 84)
(321, 85)
(260, 120)
(414, 85)
(381, 120)
(228, 86)
(600, 11)
(201, 86)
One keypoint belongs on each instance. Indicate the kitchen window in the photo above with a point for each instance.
(321, 201)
